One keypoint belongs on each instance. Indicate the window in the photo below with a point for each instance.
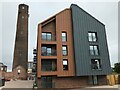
(64, 50)
(49, 51)
(95, 63)
(65, 64)
(92, 36)
(22, 17)
(46, 51)
(43, 36)
(46, 36)
(94, 50)
(23, 7)
(48, 65)
(64, 36)
(49, 36)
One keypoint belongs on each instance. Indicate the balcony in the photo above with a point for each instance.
(48, 65)
(49, 68)
(53, 53)
(48, 37)
(48, 50)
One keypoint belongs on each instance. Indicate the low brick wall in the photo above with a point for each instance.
(73, 82)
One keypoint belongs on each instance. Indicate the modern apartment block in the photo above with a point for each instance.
(72, 50)
(20, 60)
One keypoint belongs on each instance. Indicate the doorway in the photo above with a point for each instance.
(93, 80)
(46, 82)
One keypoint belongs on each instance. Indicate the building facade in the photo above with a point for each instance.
(21, 44)
(72, 50)
(30, 70)
(3, 70)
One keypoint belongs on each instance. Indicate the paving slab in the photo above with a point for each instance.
(17, 84)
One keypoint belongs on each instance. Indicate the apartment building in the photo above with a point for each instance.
(72, 50)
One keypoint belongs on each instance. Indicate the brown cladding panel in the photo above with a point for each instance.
(39, 51)
(64, 24)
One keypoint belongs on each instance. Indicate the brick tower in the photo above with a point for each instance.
(21, 44)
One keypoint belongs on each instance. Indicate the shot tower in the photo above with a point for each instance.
(21, 44)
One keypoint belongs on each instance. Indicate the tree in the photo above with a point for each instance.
(117, 68)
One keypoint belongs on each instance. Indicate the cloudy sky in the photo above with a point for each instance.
(106, 12)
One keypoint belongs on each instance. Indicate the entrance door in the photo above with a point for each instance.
(46, 82)
(93, 80)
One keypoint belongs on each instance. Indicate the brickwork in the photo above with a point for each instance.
(21, 43)
(102, 79)
(70, 82)
(21, 75)
(73, 82)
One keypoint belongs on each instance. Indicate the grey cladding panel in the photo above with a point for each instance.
(82, 23)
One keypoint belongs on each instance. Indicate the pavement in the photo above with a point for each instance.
(104, 87)
(28, 85)
(18, 84)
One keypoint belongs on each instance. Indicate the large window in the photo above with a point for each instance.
(64, 36)
(94, 50)
(65, 64)
(96, 64)
(92, 36)
(64, 50)
(48, 65)
(46, 36)
(46, 51)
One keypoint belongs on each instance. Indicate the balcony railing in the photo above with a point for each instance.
(53, 53)
(53, 38)
(48, 68)
(96, 67)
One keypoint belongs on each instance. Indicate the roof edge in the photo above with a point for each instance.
(53, 16)
(87, 13)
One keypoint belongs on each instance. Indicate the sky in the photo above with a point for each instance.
(105, 11)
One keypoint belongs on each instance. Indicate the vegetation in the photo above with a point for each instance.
(117, 68)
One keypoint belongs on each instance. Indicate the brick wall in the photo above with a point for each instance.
(22, 74)
(102, 80)
(73, 82)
